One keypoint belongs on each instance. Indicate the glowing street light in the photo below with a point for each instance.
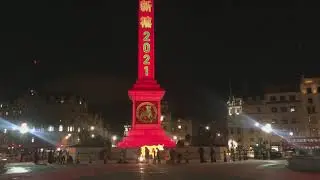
(257, 124)
(267, 128)
(179, 127)
(114, 137)
(50, 128)
(92, 128)
(291, 133)
(207, 127)
(24, 128)
(218, 134)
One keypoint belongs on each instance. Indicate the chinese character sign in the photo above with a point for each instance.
(146, 40)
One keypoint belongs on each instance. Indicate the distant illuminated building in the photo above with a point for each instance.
(234, 106)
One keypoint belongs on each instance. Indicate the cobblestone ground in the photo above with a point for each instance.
(248, 170)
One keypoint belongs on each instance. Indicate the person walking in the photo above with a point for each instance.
(201, 153)
(186, 156)
(147, 154)
(212, 155)
(158, 156)
(105, 157)
(36, 157)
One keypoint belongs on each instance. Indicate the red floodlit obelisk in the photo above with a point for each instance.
(146, 94)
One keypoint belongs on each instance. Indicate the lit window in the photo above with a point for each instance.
(237, 111)
(50, 128)
(79, 129)
(32, 92)
(60, 128)
(70, 129)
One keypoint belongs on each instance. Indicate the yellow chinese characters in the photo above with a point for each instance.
(146, 22)
(145, 5)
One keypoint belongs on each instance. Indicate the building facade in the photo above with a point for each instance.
(278, 115)
(58, 119)
(310, 98)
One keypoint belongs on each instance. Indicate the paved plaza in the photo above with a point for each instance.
(248, 170)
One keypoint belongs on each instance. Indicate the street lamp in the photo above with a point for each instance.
(267, 128)
(291, 133)
(24, 128)
(114, 138)
(175, 137)
(207, 127)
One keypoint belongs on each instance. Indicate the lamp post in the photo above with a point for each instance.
(24, 128)
(267, 128)
(114, 140)
(291, 133)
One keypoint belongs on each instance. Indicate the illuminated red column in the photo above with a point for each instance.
(146, 40)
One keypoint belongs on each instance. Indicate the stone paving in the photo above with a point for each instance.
(244, 170)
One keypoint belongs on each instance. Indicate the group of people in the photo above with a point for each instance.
(172, 156)
(154, 155)
(212, 155)
(178, 157)
(60, 157)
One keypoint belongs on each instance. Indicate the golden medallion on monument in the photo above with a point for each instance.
(146, 112)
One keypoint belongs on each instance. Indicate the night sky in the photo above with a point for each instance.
(90, 48)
